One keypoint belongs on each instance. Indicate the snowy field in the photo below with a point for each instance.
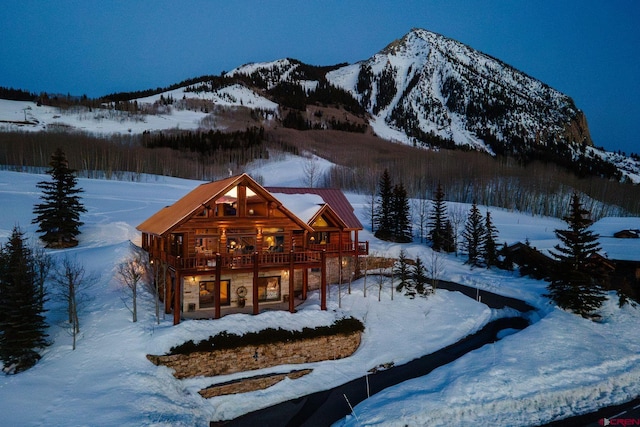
(559, 366)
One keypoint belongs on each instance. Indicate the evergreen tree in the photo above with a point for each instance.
(440, 229)
(419, 277)
(402, 273)
(383, 217)
(437, 220)
(578, 282)
(58, 216)
(490, 242)
(449, 237)
(22, 323)
(402, 231)
(473, 236)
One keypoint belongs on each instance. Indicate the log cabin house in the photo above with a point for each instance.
(233, 243)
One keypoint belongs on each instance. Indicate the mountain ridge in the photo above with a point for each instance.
(423, 89)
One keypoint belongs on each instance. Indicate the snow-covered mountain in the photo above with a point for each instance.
(424, 89)
(427, 83)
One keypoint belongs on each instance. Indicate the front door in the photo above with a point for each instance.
(207, 295)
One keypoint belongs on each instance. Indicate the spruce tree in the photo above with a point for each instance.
(474, 236)
(402, 273)
(58, 216)
(22, 323)
(419, 277)
(578, 282)
(383, 216)
(490, 242)
(449, 237)
(437, 221)
(402, 230)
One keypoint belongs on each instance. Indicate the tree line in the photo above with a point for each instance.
(578, 279)
(119, 156)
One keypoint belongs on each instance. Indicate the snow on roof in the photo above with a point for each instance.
(304, 206)
(333, 197)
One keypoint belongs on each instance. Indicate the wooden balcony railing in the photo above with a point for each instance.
(310, 256)
(350, 248)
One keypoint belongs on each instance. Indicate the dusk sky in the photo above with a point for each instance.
(589, 50)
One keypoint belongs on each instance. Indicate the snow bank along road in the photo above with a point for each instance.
(326, 407)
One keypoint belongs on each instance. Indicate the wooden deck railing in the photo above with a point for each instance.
(350, 248)
(265, 259)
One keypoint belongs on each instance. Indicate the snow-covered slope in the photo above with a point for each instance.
(186, 108)
(561, 365)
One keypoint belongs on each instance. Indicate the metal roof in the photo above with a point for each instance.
(334, 197)
(172, 216)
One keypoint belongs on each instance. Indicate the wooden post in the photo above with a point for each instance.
(356, 267)
(167, 288)
(323, 280)
(292, 273)
(256, 269)
(216, 286)
(340, 257)
(305, 283)
(177, 294)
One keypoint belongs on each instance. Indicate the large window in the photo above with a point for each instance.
(269, 288)
(176, 243)
(319, 238)
(207, 295)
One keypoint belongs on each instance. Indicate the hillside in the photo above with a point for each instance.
(423, 90)
(531, 377)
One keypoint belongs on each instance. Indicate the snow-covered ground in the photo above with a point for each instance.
(562, 364)
(28, 116)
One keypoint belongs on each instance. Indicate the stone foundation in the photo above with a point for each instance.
(246, 385)
(228, 361)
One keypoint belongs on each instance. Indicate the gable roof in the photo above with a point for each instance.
(171, 216)
(333, 197)
(305, 207)
(309, 207)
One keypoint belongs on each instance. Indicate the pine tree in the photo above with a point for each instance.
(402, 273)
(474, 236)
(402, 231)
(578, 282)
(449, 237)
(22, 323)
(490, 242)
(58, 216)
(384, 208)
(419, 277)
(437, 221)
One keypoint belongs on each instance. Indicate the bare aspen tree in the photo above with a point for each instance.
(71, 283)
(380, 281)
(130, 272)
(458, 216)
(421, 212)
(311, 170)
(42, 263)
(370, 206)
(435, 268)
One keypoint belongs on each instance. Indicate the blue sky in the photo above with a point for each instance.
(589, 50)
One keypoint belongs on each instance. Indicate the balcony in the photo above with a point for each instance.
(312, 257)
(347, 249)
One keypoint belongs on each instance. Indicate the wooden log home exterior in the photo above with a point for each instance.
(232, 243)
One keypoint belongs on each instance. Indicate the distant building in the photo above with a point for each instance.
(627, 234)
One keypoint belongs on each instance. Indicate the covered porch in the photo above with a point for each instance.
(210, 313)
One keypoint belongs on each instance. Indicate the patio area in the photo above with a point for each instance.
(209, 313)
